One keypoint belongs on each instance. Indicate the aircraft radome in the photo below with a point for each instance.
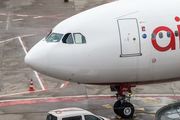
(121, 44)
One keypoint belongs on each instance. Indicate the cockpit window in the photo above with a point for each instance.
(79, 38)
(54, 37)
(68, 39)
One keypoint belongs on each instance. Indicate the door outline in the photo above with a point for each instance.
(134, 54)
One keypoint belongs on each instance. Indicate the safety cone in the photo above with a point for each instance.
(31, 86)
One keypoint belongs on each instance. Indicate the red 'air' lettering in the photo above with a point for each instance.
(179, 34)
(171, 45)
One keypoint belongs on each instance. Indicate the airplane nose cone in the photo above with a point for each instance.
(36, 58)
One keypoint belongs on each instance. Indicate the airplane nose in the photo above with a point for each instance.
(36, 58)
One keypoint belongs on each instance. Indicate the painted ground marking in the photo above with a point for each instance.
(110, 1)
(53, 99)
(37, 76)
(41, 79)
(65, 84)
(45, 87)
(21, 15)
(61, 85)
(21, 36)
(8, 39)
(18, 20)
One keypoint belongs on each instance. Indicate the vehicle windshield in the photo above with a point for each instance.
(54, 37)
(91, 117)
(101, 117)
(51, 117)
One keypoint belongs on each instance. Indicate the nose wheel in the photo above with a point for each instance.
(116, 106)
(125, 110)
(122, 106)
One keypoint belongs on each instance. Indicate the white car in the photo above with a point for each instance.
(72, 114)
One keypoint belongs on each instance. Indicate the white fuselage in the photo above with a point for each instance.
(119, 47)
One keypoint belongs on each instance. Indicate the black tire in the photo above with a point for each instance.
(126, 110)
(116, 106)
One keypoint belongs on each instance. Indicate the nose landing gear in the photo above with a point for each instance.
(122, 106)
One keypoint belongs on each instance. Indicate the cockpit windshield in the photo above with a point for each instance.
(54, 37)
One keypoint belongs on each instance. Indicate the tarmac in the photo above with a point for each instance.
(22, 24)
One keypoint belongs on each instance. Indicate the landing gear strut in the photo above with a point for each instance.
(123, 107)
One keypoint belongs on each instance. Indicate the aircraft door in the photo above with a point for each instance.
(129, 37)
